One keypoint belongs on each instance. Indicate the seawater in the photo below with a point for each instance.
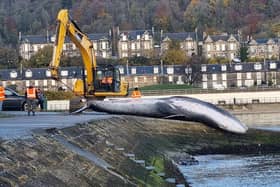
(234, 171)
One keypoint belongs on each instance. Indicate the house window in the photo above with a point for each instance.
(64, 73)
(189, 45)
(27, 83)
(259, 75)
(257, 66)
(133, 70)
(156, 70)
(103, 45)
(224, 67)
(239, 76)
(218, 47)
(13, 74)
(204, 85)
(269, 48)
(146, 37)
(133, 46)
(170, 78)
(136, 79)
(214, 77)
(124, 55)
(121, 69)
(232, 46)
(252, 49)
(204, 77)
(203, 68)
(238, 67)
(224, 76)
(35, 47)
(249, 75)
(223, 47)
(272, 65)
(208, 47)
(95, 46)
(36, 82)
(170, 70)
(45, 82)
(28, 73)
(124, 46)
(48, 73)
(104, 54)
(124, 38)
(138, 37)
(146, 45)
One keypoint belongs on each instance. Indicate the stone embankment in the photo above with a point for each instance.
(120, 151)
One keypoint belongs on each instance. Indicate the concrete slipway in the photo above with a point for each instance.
(18, 125)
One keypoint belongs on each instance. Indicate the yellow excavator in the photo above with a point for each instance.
(97, 82)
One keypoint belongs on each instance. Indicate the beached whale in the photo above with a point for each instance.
(177, 107)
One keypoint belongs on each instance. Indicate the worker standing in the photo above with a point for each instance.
(41, 98)
(2, 96)
(136, 93)
(31, 97)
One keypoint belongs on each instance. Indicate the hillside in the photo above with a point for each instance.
(253, 17)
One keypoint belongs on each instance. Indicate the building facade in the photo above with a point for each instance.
(224, 45)
(187, 41)
(240, 75)
(135, 43)
(142, 43)
(264, 48)
(30, 45)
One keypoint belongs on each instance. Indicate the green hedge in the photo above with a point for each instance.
(59, 95)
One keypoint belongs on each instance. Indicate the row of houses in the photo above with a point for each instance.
(210, 76)
(122, 44)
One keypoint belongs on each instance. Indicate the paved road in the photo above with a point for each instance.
(19, 125)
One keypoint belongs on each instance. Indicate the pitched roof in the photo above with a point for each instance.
(132, 35)
(98, 36)
(180, 35)
(223, 37)
(36, 39)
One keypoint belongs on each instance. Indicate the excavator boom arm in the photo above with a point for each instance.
(66, 26)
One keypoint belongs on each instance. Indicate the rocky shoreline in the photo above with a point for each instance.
(120, 151)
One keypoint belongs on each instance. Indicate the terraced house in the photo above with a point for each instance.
(31, 44)
(223, 45)
(264, 48)
(188, 42)
(135, 43)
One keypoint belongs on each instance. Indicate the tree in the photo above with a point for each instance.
(41, 59)
(8, 58)
(174, 55)
(66, 4)
(193, 74)
(243, 53)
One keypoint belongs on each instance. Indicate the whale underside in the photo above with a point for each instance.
(177, 107)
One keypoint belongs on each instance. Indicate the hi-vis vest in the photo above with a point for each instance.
(31, 93)
(136, 94)
(2, 93)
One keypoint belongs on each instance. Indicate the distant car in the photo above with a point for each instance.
(219, 87)
(14, 101)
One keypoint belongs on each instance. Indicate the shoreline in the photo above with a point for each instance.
(137, 150)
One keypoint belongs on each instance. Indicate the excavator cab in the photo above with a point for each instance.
(107, 79)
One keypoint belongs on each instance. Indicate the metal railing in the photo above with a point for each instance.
(204, 91)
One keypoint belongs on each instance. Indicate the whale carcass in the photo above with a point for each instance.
(177, 107)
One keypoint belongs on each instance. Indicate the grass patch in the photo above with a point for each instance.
(2, 115)
(166, 87)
